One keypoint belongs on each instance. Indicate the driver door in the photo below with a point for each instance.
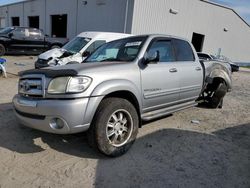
(161, 80)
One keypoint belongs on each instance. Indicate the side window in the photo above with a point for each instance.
(165, 49)
(183, 50)
(95, 45)
(20, 32)
(35, 33)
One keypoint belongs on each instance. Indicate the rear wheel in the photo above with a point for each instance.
(115, 127)
(55, 46)
(2, 50)
(216, 101)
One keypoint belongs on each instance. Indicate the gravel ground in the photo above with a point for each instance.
(169, 152)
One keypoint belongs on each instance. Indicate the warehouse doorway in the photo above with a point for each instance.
(15, 21)
(59, 25)
(198, 41)
(34, 21)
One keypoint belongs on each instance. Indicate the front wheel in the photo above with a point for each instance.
(115, 127)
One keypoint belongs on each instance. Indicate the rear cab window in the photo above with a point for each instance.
(35, 33)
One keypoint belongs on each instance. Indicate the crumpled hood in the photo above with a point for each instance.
(54, 53)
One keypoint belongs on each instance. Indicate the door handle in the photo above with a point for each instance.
(197, 68)
(173, 70)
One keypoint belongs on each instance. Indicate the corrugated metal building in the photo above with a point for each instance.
(211, 27)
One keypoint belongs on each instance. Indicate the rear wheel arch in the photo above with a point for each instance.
(2, 48)
(216, 81)
(55, 45)
(215, 92)
(221, 75)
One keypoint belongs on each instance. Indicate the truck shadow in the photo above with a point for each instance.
(165, 158)
(179, 158)
(21, 139)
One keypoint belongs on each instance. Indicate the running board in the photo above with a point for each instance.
(148, 116)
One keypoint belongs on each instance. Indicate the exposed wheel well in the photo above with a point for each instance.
(216, 81)
(130, 97)
(56, 44)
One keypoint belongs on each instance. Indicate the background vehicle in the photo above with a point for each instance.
(24, 40)
(77, 49)
(223, 59)
(121, 84)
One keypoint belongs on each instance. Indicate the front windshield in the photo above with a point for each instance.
(6, 30)
(120, 50)
(75, 45)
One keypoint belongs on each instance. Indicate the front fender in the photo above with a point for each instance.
(106, 88)
(111, 86)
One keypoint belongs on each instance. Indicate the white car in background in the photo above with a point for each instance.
(77, 49)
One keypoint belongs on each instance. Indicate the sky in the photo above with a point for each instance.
(2, 2)
(241, 6)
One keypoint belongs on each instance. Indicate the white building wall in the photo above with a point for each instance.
(3, 17)
(96, 15)
(44, 9)
(55, 7)
(195, 16)
(35, 8)
(101, 15)
(16, 10)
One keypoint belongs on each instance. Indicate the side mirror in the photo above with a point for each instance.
(46, 35)
(153, 59)
(10, 35)
(86, 54)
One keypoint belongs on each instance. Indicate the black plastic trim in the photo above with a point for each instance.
(50, 73)
(33, 116)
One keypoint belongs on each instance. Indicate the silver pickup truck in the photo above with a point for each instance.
(121, 84)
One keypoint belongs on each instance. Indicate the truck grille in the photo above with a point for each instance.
(32, 86)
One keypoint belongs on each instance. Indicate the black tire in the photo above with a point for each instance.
(98, 133)
(55, 46)
(217, 98)
(2, 50)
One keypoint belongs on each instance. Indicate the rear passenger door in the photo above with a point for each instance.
(35, 41)
(160, 80)
(191, 72)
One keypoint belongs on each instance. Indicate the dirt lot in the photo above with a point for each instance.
(170, 152)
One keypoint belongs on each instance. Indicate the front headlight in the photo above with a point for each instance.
(63, 85)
